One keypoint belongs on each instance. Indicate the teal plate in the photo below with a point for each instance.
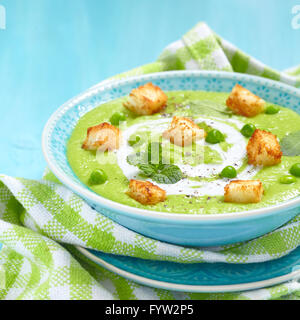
(200, 277)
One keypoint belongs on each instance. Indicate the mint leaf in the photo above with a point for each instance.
(148, 169)
(205, 107)
(137, 158)
(151, 164)
(153, 155)
(162, 173)
(290, 144)
(169, 174)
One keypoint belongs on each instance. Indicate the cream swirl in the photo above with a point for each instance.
(234, 156)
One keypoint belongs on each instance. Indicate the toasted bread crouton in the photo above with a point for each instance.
(244, 102)
(146, 100)
(146, 192)
(263, 149)
(183, 132)
(244, 191)
(104, 137)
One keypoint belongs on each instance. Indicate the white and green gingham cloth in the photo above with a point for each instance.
(42, 221)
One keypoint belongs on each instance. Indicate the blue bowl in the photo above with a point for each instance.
(182, 229)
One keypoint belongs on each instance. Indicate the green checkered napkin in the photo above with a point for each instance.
(35, 216)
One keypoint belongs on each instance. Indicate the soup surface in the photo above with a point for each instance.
(201, 190)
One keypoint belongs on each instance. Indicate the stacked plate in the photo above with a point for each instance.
(200, 277)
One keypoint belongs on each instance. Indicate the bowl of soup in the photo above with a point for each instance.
(198, 158)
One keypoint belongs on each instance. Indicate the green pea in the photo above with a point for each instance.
(98, 177)
(295, 170)
(287, 179)
(229, 172)
(215, 136)
(272, 109)
(134, 140)
(116, 118)
(248, 130)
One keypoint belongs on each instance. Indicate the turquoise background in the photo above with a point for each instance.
(52, 50)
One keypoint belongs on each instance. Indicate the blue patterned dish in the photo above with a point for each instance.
(201, 277)
(195, 230)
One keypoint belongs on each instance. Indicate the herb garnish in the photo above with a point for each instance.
(137, 158)
(152, 165)
(162, 173)
(205, 107)
(290, 144)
